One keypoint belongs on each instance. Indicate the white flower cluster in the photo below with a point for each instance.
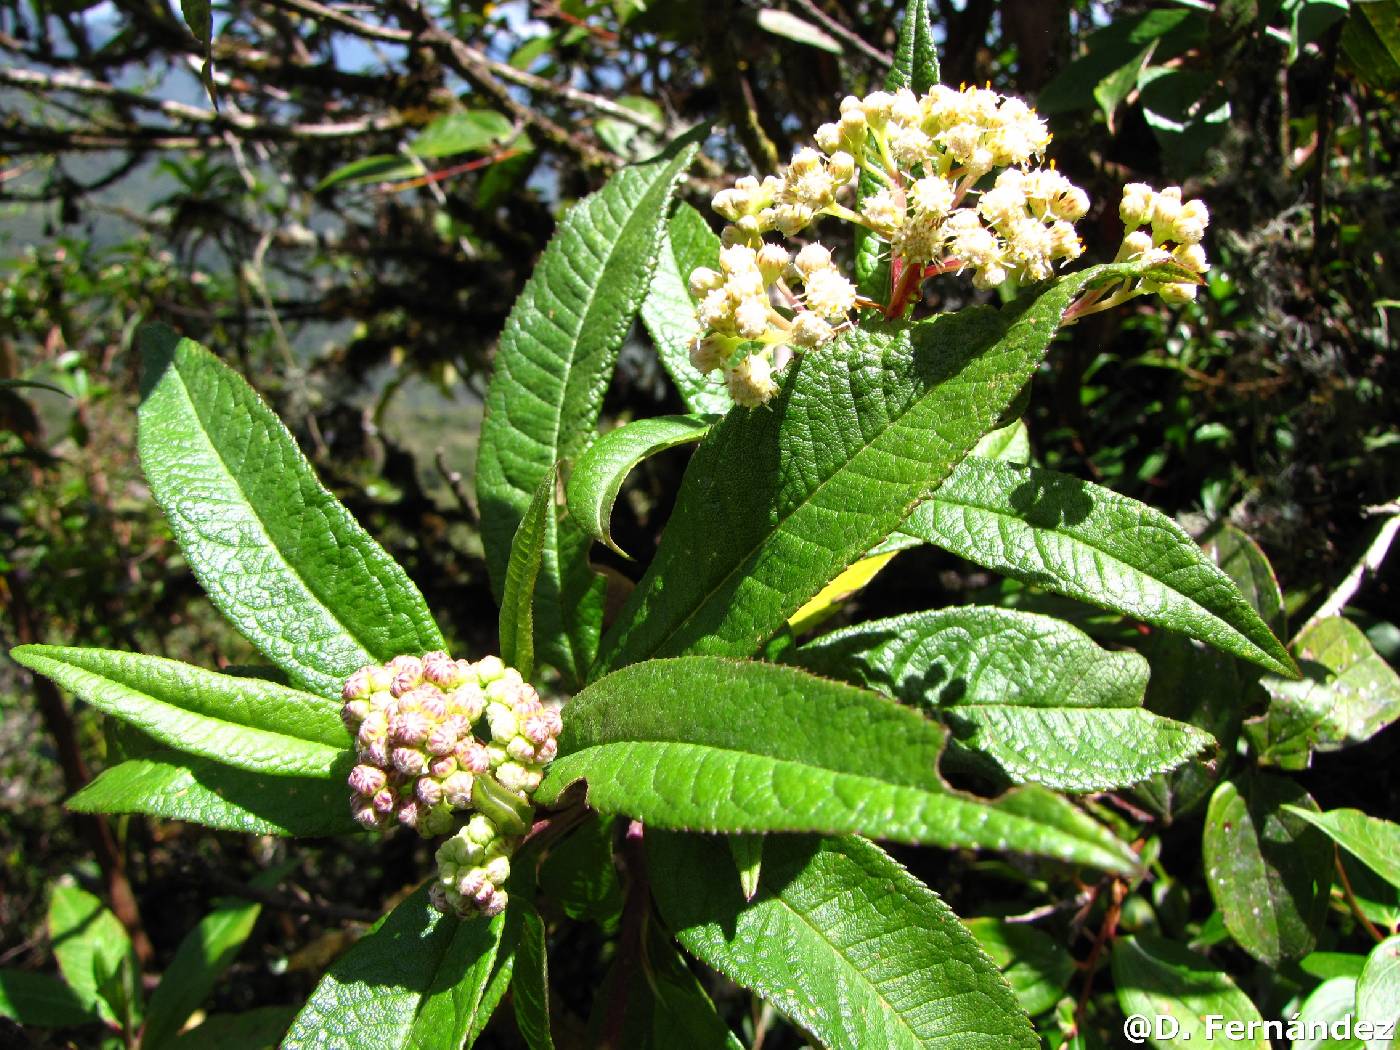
(472, 869)
(926, 154)
(1176, 230)
(415, 722)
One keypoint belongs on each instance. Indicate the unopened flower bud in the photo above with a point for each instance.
(809, 329)
(489, 668)
(366, 780)
(811, 258)
(1191, 222)
(357, 686)
(457, 789)
(1177, 294)
(842, 166)
(703, 279)
(1136, 206)
(409, 761)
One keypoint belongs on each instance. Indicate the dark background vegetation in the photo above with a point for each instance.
(366, 313)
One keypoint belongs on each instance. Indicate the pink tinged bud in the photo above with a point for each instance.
(497, 870)
(356, 686)
(409, 761)
(484, 895)
(385, 800)
(536, 728)
(467, 701)
(428, 791)
(432, 703)
(399, 664)
(441, 741)
(442, 767)
(353, 713)
(381, 701)
(442, 674)
(376, 754)
(521, 749)
(457, 790)
(409, 814)
(366, 780)
(438, 898)
(380, 679)
(472, 756)
(512, 776)
(368, 817)
(406, 681)
(409, 728)
(472, 882)
(547, 752)
(495, 905)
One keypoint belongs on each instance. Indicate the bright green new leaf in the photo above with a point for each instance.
(247, 723)
(599, 473)
(202, 791)
(276, 552)
(1156, 977)
(1090, 543)
(553, 364)
(529, 984)
(41, 1001)
(747, 851)
(205, 953)
(1378, 991)
(724, 745)
(1373, 841)
(777, 501)
(1037, 966)
(94, 953)
(261, 1028)
(842, 940)
(1030, 694)
(668, 311)
(413, 982)
(517, 617)
(1269, 871)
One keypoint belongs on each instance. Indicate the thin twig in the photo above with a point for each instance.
(1369, 563)
(454, 482)
(1350, 896)
(851, 37)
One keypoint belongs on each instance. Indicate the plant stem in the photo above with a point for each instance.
(1350, 896)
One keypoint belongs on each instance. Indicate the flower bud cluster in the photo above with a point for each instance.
(416, 722)
(472, 869)
(1160, 227)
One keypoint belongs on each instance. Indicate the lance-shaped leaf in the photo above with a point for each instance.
(776, 502)
(517, 619)
(1268, 870)
(530, 983)
(669, 314)
(1246, 563)
(723, 745)
(414, 981)
(599, 473)
(261, 1028)
(182, 787)
(1088, 542)
(1331, 1001)
(276, 552)
(1031, 694)
(842, 940)
(247, 723)
(41, 1001)
(1371, 840)
(1156, 977)
(553, 364)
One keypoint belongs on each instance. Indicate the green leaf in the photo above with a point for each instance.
(1371, 43)
(1374, 842)
(517, 618)
(599, 473)
(683, 1015)
(578, 874)
(201, 791)
(261, 1028)
(41, 1001)
(1032, 695)
(1378, 991)
(204, 954)
(414, 981)
(276, 552)
(92, 948)
(1327, 965)
(842, 940)
(776, 503)
(1037, 967)
(1241, 559)
(747, 851)
(1174, 30)
(1268, 871)
(553, 364)
(1330, 1002)
(1113, 90)
(668, 311)
(377, 167)
(199, 16)
(472, 131)
(722, 745)
(1090, 543)
(1349, 695)
(530, 983)
(246, 723)
(799, 30)
(1156, 977)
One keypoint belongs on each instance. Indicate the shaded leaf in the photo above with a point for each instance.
(41, 1001)
(530, 983)
(377, 167)
(1373, 841)
(1330, 1002)
(517, 617)
(1243, 561)
(578, 873)
(1037, 967)
(1153, 977)
(747, 851)
(261, 1028)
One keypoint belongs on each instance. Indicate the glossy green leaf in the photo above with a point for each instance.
(93, 951)
(1030, 694)
(1378, 992)
(41, 1001)
(747, 851)
(276, 552)
(517, 617)
(1371, 840)
(1037, 967)
(668, 311)
(1156, 977)
(683, 1015)
(409, 983)
(722, 745)
(204, 954)
(842, 940)
(553, 364)
(181, 787)
(1332, 1002)
(243, 722)
(1349, 695)
(776, 503)
(599, 473)
(1241, 559)
(496, 986)
(1113, 90)
(1269, 871)
(529, 984)
(261, 1028)
(1174, 30)
(470, 131)
(1090, 543)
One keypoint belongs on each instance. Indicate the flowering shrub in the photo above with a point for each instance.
(719, 773)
